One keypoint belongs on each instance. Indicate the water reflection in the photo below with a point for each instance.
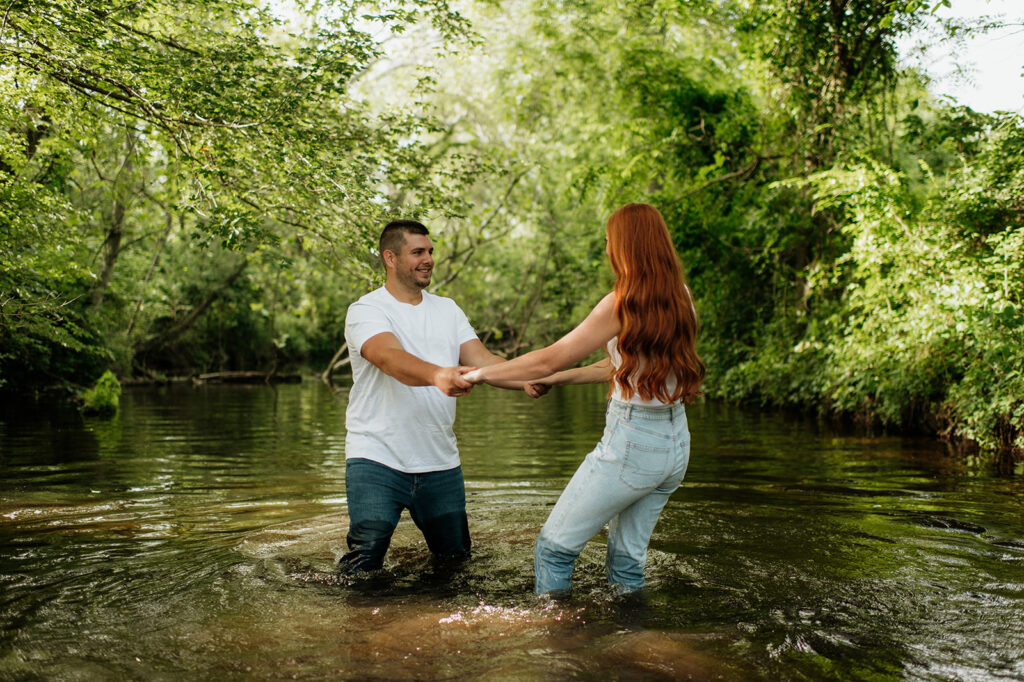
(195, 535)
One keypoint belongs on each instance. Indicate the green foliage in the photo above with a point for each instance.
(147, 149)
(104, 397)
(201, 187)
(844, 248)
(929, 326)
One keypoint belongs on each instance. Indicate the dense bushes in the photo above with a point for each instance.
(929, 327)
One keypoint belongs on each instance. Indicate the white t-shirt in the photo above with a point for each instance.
(408, 428)
(616, 359)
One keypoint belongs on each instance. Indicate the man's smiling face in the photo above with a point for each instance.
(415, 263)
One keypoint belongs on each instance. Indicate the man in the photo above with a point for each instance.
(409, 350)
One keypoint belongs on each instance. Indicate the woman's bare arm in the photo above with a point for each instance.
(596, 373)
(599, 327)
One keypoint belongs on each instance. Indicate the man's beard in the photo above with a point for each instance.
(413, 281)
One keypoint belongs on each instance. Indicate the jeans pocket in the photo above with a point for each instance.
(645, 456)
(643, 466)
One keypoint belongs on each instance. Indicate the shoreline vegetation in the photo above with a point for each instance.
(200, 189)
(930, 426)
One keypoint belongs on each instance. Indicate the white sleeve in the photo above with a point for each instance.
(362, 323)
(464, 330)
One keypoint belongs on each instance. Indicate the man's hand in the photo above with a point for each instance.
(536, 389)
(450, 382)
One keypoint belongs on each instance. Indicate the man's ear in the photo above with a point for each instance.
(389, 257)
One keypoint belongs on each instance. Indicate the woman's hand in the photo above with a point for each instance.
(474, 377)
(536, 389)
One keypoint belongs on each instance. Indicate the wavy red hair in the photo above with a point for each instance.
(654, 306)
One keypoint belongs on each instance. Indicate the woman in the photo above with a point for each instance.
(648, 325)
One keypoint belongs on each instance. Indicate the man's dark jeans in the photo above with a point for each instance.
(377, 494)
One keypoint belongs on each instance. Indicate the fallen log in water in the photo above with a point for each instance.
(247, 378)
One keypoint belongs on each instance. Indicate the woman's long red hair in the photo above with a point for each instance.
(654, 306)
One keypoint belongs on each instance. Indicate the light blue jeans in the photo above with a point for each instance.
(624, 482)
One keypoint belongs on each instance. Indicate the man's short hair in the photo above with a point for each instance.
(393, 236)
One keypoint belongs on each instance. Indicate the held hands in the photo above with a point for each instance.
(474, 377)
(452, 380)
(536, 389)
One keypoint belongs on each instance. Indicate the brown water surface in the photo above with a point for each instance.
(194, 536)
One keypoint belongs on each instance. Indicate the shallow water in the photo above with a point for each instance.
(194, 537)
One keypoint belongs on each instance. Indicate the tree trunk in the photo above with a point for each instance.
(160, 244)
(115, 230)
(531, 305)
(186, 323)
(335, 364)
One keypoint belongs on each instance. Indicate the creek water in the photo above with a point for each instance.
(194, 537)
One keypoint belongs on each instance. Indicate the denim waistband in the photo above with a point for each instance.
(661, 413)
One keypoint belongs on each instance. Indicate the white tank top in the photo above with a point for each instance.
(616, 358)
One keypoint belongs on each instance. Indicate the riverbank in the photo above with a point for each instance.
(937, 425)
(943, 421)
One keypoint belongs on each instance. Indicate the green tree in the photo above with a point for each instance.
(131, 126)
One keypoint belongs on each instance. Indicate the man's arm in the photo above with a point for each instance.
(596, 373)
(385, 351)
(475, 354)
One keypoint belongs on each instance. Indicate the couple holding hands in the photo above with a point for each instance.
(411, 352)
